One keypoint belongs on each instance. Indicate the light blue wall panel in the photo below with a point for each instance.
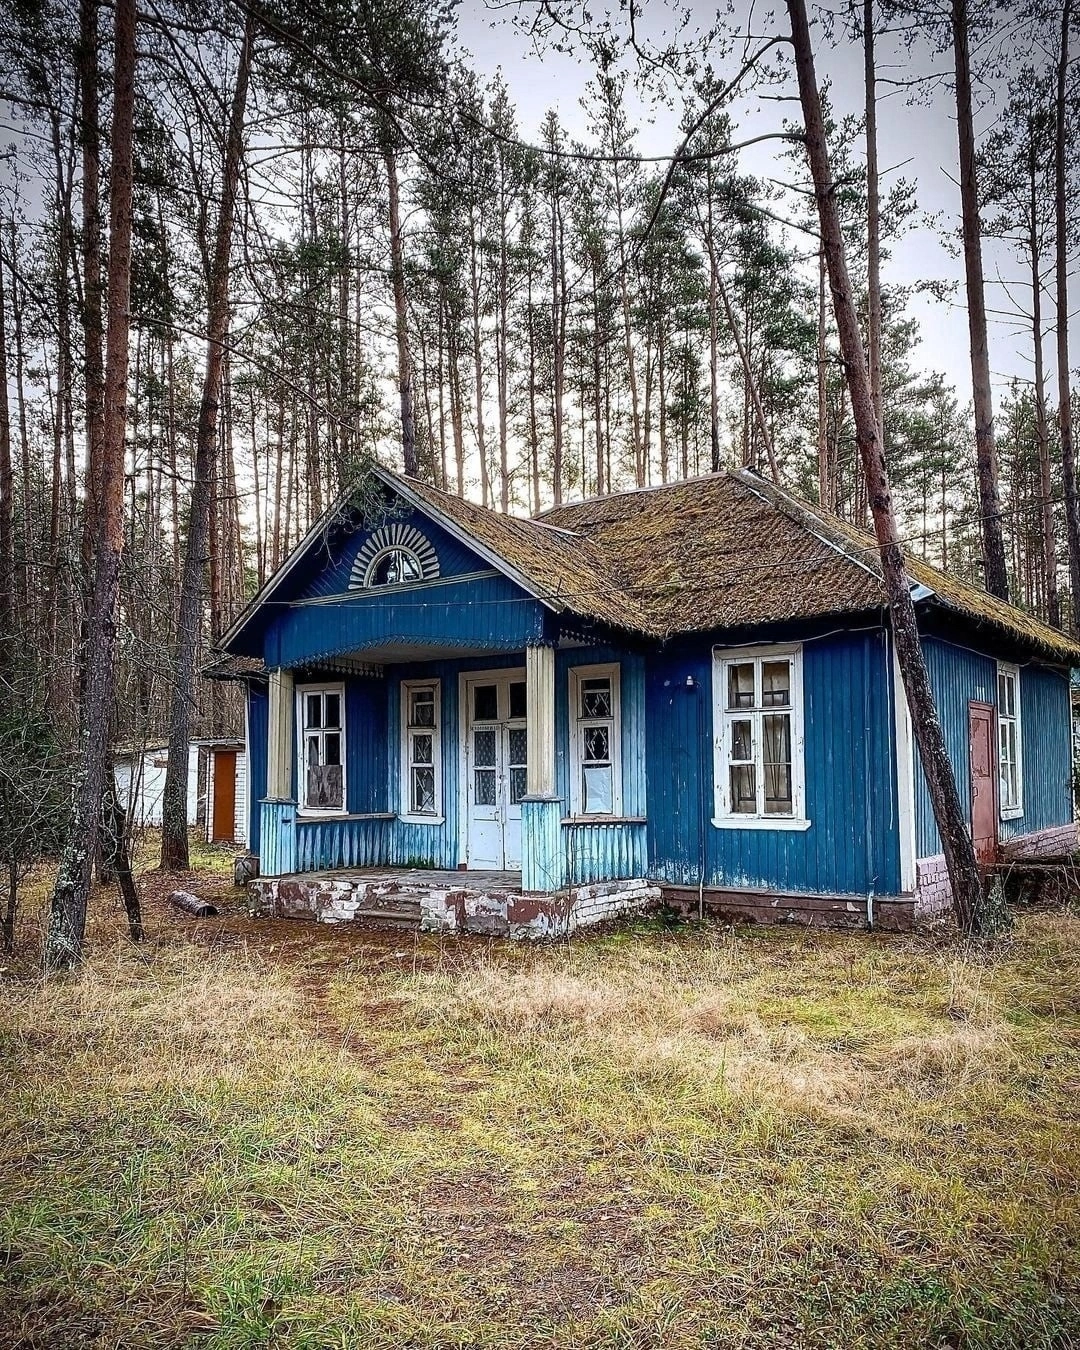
(1046, 733)
(851, 846)
(605, 852)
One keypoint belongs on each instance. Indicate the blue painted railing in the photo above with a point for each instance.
(604, 850)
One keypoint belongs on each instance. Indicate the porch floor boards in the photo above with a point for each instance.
(418, 878)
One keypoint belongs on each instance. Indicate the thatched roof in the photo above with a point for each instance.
(730, 550)
(725, 551)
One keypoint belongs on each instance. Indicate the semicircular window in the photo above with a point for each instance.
(394, 555)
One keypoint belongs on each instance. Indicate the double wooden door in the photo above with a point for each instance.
(495, 768)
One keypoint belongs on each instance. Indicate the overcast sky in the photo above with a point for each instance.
(915, 140)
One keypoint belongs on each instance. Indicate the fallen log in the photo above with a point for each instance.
(191, 904)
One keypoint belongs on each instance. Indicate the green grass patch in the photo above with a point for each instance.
(250, 1134)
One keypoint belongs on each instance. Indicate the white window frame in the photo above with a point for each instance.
(723, 817)
(578, 674)
(436, 817)
(369, 571)
(302, 693)
(1007, 670)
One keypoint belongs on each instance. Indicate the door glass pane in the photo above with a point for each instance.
(423, 790)
(596, 698)
(776, 751)
(597, 796)
(776, 684)
(741, 685)
(742, 740)
(421, 748)
(743, 789)
(331, 710)
(485, 702)
(518, 785)
(518, 699)
(422, 708)
(313, 714)
(484, 787)
(484, 747)
(596, 743)
(517, 744)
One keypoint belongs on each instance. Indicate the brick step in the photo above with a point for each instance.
(403, 916)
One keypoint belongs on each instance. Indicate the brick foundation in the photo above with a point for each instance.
(1052, 843)
(933, 890)
(385, 902)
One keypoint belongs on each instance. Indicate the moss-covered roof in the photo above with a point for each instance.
(731, 550)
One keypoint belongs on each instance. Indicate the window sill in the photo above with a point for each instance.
(305, 816)
(602, 820)
(1012, 812)
(421, 820)
(760, 823)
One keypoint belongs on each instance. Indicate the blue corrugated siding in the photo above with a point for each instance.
(335, 564)
(851, 845)
(257, 710)
(1046, 732)
(366, 745)
(490, 613)
(605, 852)
(957, 676)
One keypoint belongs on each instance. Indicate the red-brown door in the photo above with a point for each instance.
(984, 808)
(224, 829)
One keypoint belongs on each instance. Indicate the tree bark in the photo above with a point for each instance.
(1042, 432)
(174, 822)
(956, 843)
(873, 220)
(7, 501)
(1061, 270)
(401, 321)
(997, 578)
(67, 914)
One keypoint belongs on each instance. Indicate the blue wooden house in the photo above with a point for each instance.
(472, 720)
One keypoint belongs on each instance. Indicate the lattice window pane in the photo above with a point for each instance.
(518, 785)
(422, 748)
(422, 707)
(776, 748)
(484, 747)
(423, 790)
(596, 697)
(484, 787)
(518, 745)
(596, 744)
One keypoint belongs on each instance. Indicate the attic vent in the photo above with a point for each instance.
(394, 555)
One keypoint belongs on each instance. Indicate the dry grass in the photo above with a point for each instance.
(256, 1134)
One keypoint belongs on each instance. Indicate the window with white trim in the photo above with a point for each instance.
(321, 725)
(595, 741)
(757, 737)
(1010, 767)
(421, 751)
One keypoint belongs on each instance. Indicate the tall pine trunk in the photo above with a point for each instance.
(174, 822)
(956, 843)
(997, 578)
(71, 893)
(410, 457)
(1061, 270)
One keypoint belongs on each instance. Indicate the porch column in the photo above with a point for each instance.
(277, 829)
(542, 863)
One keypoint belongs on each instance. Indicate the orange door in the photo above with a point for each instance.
(224, 825)
(984, 808)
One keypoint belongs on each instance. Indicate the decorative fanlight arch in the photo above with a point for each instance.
(392, 555)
